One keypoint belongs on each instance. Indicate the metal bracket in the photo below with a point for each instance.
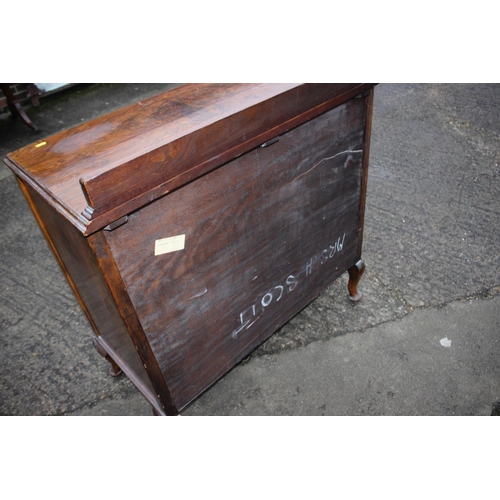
(116, 223)
(272, 141)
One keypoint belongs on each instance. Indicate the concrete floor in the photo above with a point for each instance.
(424, 340)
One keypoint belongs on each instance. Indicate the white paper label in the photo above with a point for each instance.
(172, 244)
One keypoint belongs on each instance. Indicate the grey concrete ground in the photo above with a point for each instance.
(424, 340)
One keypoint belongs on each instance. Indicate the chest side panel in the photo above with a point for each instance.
(253, 242)
(80, 267)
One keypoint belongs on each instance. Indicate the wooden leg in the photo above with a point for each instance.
(15, 107)
(355, 273)
(114, 370)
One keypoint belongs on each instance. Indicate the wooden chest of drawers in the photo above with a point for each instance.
(194, 224)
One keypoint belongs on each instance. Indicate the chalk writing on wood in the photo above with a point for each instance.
(276, 293)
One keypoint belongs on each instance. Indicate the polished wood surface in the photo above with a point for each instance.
(192, 225)
(99, 171)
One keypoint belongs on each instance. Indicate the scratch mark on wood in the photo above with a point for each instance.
(325, 159)
(199, 294)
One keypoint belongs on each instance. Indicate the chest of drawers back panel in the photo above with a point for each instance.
(264, 234)
(231, 232)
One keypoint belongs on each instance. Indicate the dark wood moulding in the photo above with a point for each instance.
(194, 224)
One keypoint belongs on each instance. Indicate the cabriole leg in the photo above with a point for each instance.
(355, 273)
(115, 370)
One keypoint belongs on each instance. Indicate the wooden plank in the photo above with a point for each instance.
(264, 235)
(130, 157)
(109, 270)
(81, 269)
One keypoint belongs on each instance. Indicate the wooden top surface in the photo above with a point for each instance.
(101, 170)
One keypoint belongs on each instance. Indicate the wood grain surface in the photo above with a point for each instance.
(264, 234)
(192, 225)
(99, 171)
(82, 270)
